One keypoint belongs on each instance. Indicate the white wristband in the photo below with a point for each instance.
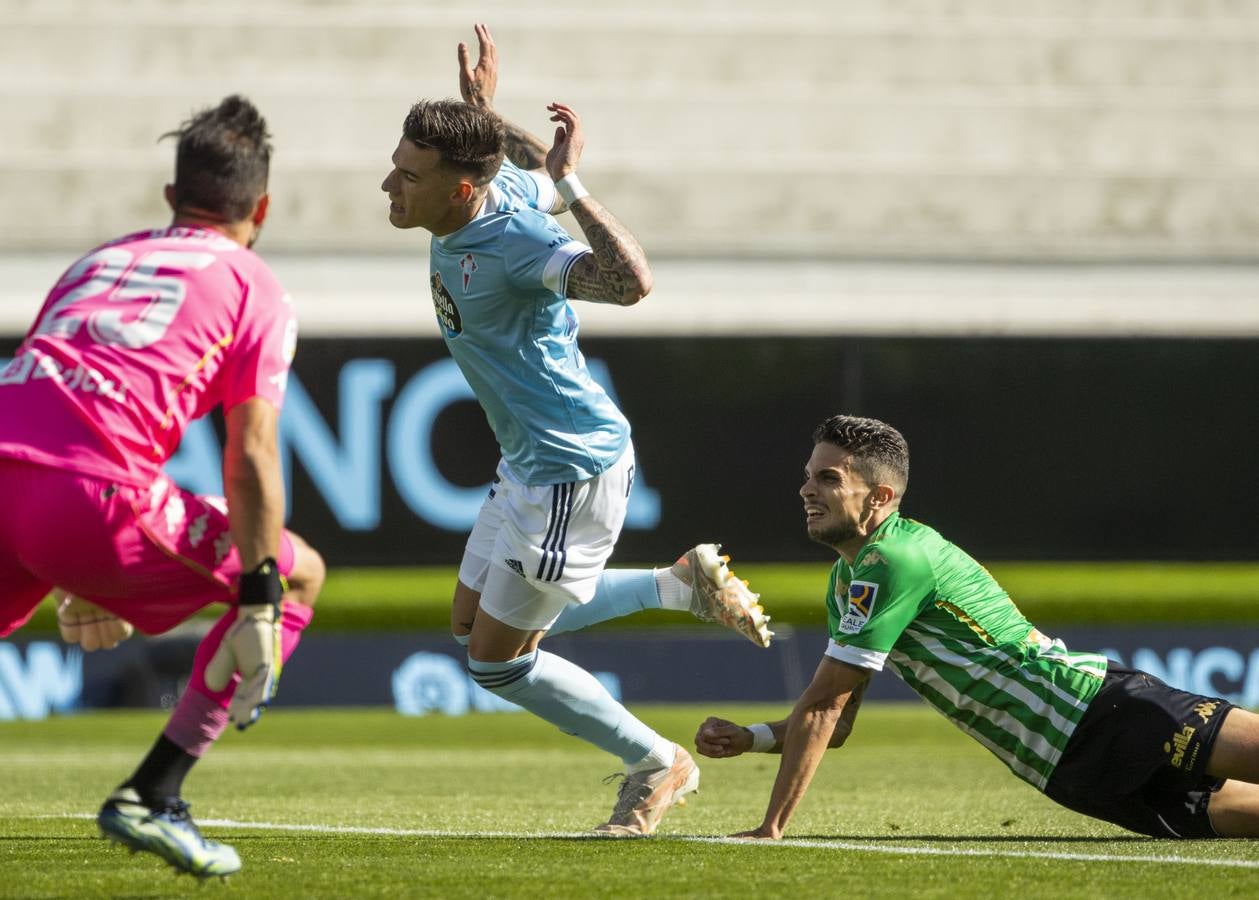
(762, 738)
(571, 188)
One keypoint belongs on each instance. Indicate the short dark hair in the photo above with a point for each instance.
(222, 159)
(880, 453)
(467, 138)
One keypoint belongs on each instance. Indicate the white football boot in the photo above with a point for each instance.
(644, 797)
(717, 596)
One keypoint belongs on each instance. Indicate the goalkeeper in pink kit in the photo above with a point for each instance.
(138, 338)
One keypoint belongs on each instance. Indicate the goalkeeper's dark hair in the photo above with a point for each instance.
(468, 139)
(222, 159)
(880, 454)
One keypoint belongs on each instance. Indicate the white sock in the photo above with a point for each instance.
(674, 592)
(663, 753)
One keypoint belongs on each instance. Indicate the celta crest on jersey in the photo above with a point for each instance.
(467, 266)
(444, 306)
(861, 595)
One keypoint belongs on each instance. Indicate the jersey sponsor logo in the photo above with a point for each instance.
(861, 596)
(31, 365)
(1178, 745)
(444, 305)
(1206, 709)
(467, 266)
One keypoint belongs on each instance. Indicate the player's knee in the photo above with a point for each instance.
(492, 649)
(479, 651)
(307, 578)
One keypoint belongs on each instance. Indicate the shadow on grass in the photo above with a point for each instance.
(1131, 840)
(984, 839)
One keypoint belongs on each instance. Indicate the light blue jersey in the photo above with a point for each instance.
(498, 289)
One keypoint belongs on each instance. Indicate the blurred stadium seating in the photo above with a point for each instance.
(955, 129)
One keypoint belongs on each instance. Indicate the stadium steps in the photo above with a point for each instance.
(1111, 130)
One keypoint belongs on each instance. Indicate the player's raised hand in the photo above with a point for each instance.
(478, 83)
(565, 152)
(721, 739)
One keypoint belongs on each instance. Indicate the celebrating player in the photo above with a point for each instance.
(502, 270)
(1112, 743)
(138, 338)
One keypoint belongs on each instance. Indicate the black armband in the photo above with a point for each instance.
(263, 586)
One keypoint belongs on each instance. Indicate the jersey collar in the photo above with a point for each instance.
(493, 200)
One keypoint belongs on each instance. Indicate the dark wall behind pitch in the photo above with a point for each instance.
(1032, 449)
(1021, 448)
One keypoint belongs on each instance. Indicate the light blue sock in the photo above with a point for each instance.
(621, 592)
(568, 697)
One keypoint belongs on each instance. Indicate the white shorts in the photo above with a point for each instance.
(537, 548)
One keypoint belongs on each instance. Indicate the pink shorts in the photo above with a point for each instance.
(152, 555)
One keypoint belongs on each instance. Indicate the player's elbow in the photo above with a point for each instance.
(638, 287)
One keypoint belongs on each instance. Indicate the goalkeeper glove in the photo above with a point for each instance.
(89, 626)
(251, 646)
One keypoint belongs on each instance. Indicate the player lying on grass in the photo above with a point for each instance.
(138, 338)
(1112, 743)
(502, 272)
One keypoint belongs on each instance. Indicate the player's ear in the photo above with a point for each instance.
(462, 192)
(882, 495)
(259, 214)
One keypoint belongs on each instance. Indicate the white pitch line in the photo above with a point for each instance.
(851, 846)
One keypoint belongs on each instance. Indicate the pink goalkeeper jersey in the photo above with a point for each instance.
(137, 339)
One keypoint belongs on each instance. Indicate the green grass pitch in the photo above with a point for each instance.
(364, 803)
(1061, 593)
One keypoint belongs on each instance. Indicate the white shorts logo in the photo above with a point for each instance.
(861, 596)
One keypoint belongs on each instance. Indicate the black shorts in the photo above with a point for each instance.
(1139, 755)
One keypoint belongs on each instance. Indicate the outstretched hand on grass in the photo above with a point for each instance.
(721, 739)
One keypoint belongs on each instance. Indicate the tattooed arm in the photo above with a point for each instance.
(524, 149)
(616, 270)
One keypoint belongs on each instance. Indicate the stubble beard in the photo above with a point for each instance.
(833, 535)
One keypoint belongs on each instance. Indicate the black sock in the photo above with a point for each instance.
(162, 772)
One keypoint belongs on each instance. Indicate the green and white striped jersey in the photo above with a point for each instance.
(951, 633)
